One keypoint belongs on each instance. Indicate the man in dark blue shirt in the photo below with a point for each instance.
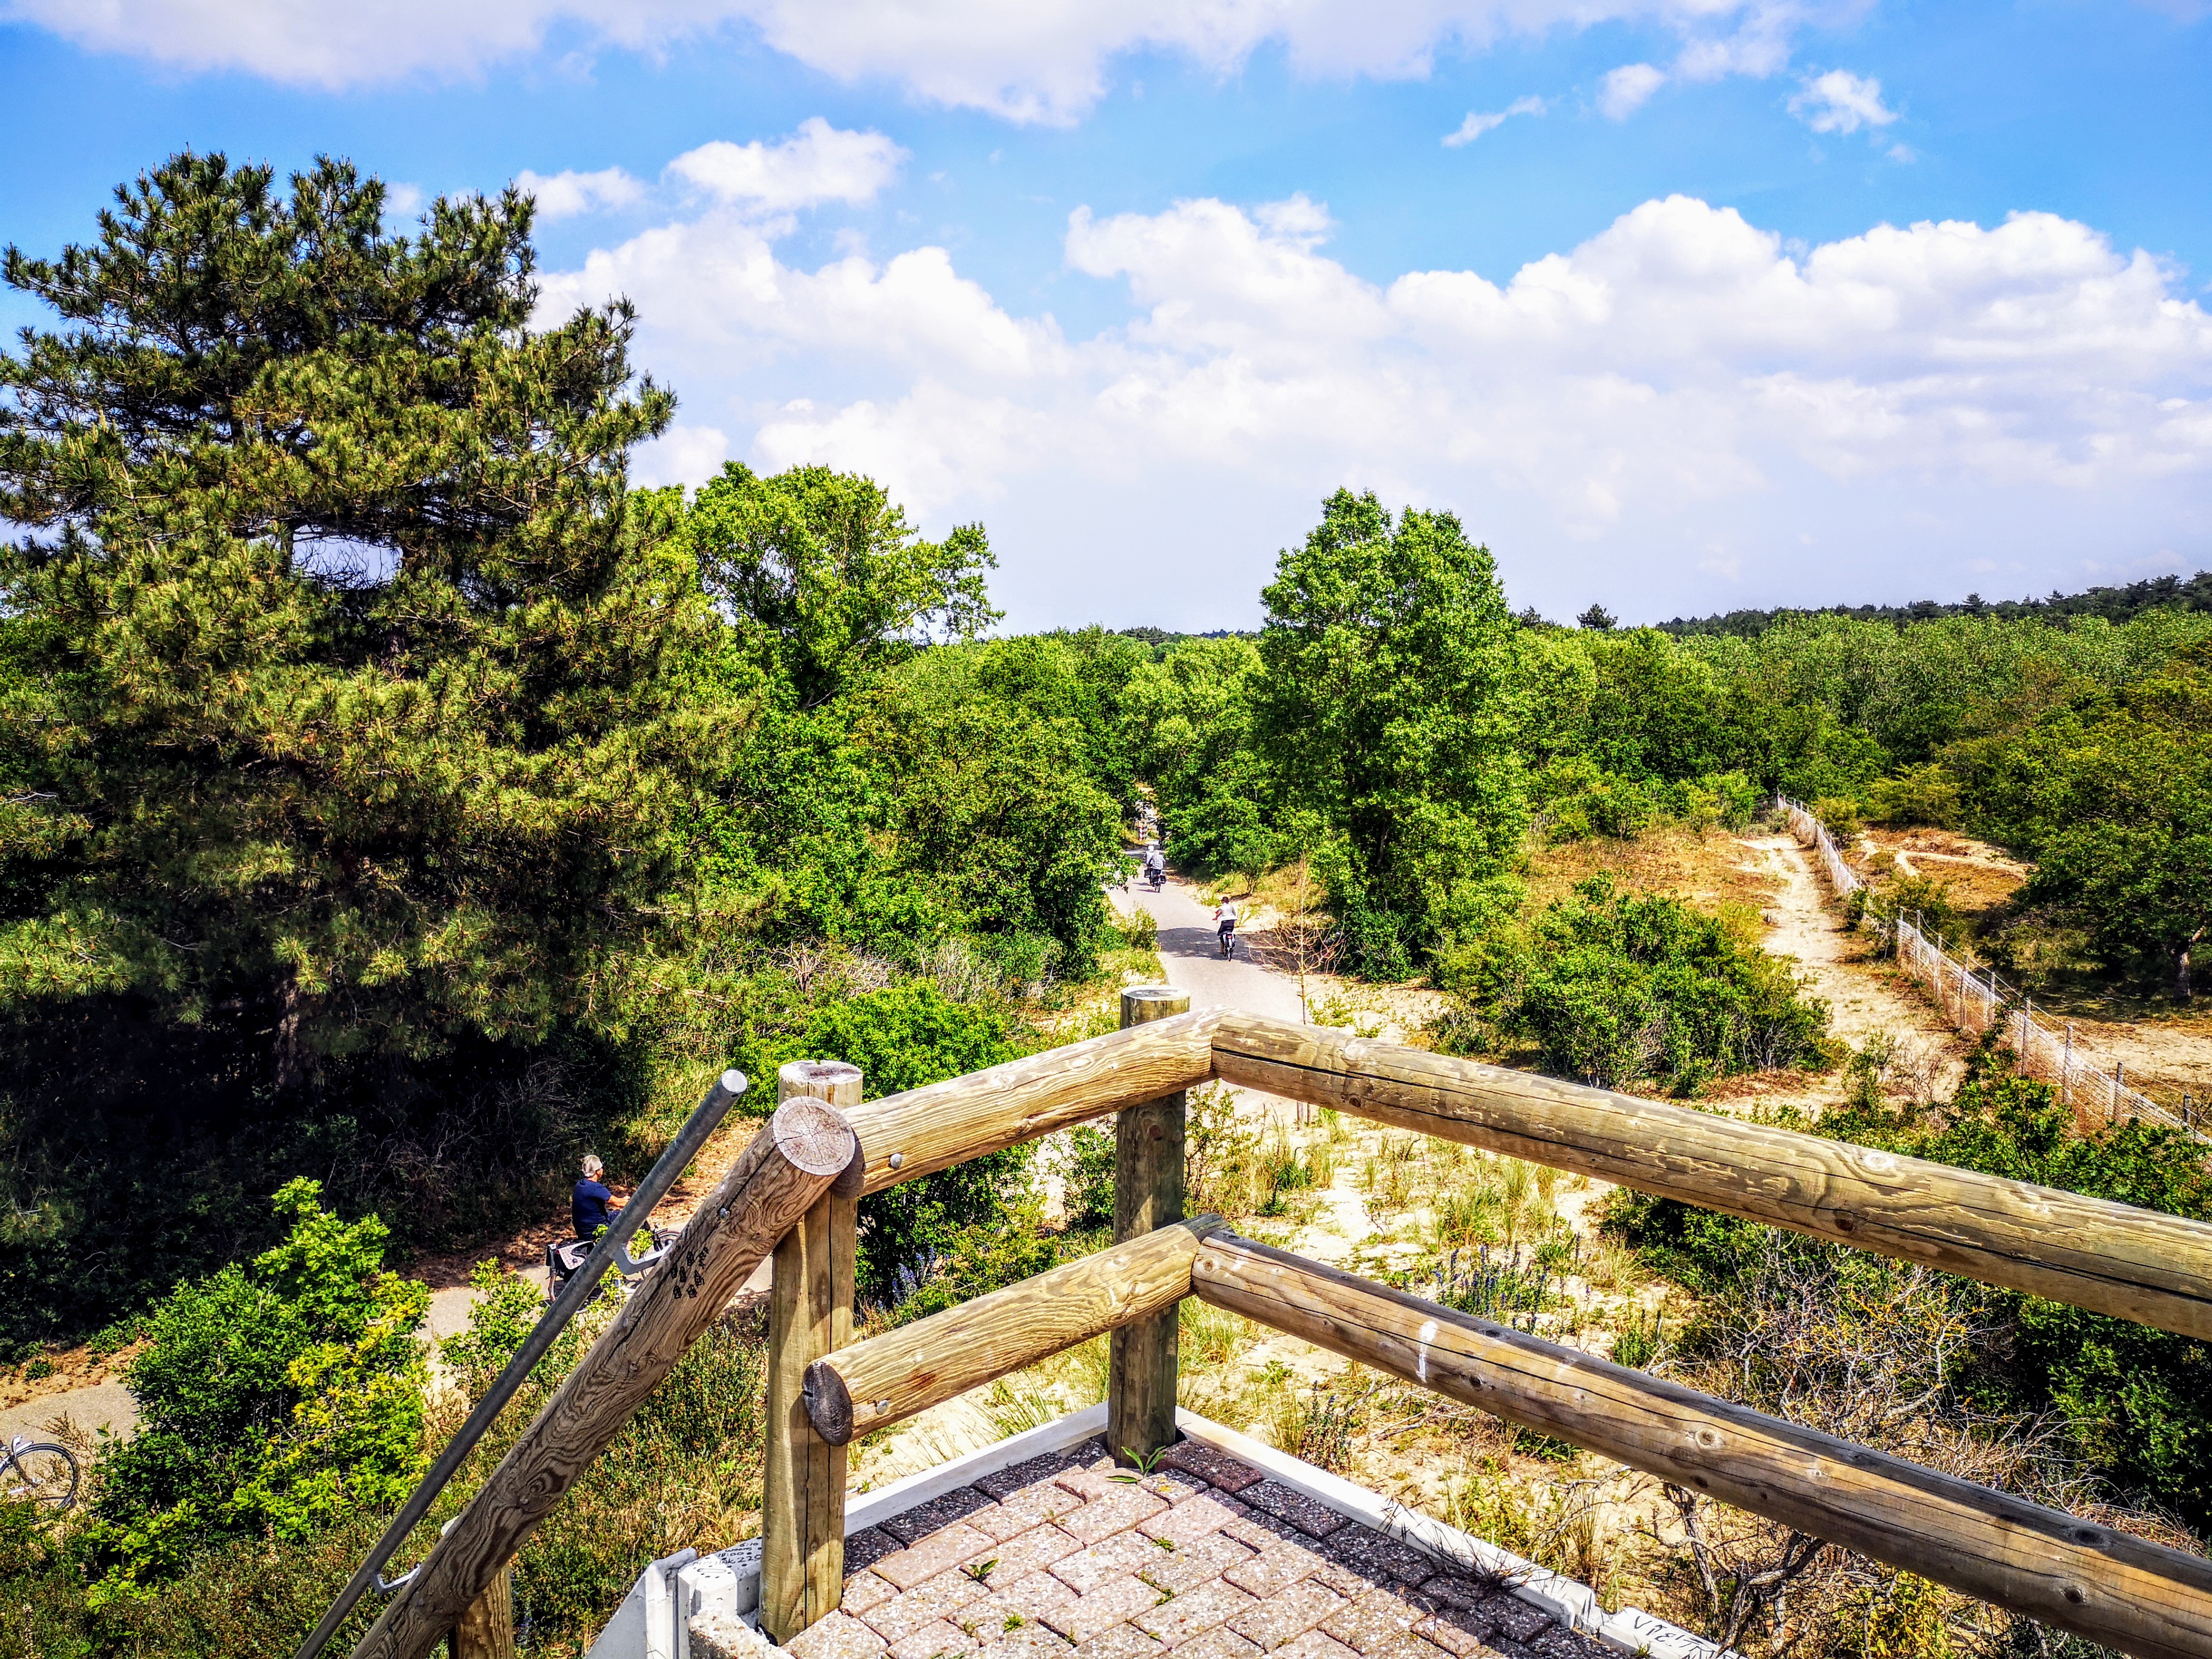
(587, 1208)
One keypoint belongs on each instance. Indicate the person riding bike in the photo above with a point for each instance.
(1225, 918)
(1156, 867)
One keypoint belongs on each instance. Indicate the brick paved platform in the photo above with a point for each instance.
(1067, 1555)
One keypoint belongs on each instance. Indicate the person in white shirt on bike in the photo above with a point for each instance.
(1225, 919)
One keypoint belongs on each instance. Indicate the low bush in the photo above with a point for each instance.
(273, 1400)
(903, 1036)
(1924, 794)
(1084, 1164)
(1615, 987)
(2133, 1404)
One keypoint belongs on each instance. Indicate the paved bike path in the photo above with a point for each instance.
(1190, 952)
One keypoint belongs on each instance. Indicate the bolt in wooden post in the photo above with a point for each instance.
(1140, 1387)
(810, 1317)
(486, 1629)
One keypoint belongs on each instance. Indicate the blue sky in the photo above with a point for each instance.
(1751, 303)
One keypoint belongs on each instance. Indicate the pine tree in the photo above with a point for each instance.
(346, 689)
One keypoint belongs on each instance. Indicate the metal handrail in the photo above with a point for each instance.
(612, 1245)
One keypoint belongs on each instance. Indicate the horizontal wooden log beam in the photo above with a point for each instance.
(928, 1129)
(908, 1370)
(2105, 1586)
(2138, 1264)
(805, 1150)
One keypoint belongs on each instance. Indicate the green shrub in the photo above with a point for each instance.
(1616, 988)
(1918, 794)
(902, 1037)
(1925, 900)
(273, 1399)
(2135, 1402)
(1085, 1167)
(1840, 813)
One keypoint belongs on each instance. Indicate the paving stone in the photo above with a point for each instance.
(1121, 1556)
(865, 1548)
(1185, 1569)
(923, 1519)
(1460, 1630)
(1315, 1520)
(1315, 1644)
(996, 1616)
(1457, 1590)
(937, 1598)
(1560, 1643)
(1003, 1483)
(1181, 1524)
(1375, 1623)
(1410, 1644)
(1099, 1609)
(1031, 1595)
(1175, 1486)
(1216, 1468)
(1512, 1616)
(934, 1640)
(1385, 1560)
(840, 1636)
(1273, 1570)
(1219, 1643)
(1117, 1509)
(1287, 1615)
(1121, 1642)
(864, 1590)
(1029, 1506)
(932, 1555)
(1180, 1618)
(1029, 1552)
(1028, 1641)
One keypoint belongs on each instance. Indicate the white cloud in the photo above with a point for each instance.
(1676, 399)
(565, 194)
(1624, 90)
(1477, 123)
(1840, 101)
(403, 201)
(816, 164)
(682, 454)
(1015, 58)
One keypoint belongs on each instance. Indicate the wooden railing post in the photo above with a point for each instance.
(810, 1317)
(1140, 1387)
(486, 1629)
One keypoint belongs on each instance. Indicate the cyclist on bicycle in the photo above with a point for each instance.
(1155, 864)
(1225, 919)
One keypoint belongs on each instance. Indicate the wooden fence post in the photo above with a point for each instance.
(1140, 1387)
(486, 1629)
(810, 1317)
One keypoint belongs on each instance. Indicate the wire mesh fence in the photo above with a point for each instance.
(1975, 1000)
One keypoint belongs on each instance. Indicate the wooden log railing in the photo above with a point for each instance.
(2150, 1269)
(2095, 1581)
(887, 1378)
(2137, 1265)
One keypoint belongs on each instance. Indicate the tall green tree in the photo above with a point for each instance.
(351, 693)
(1390, 710)
(825, 580)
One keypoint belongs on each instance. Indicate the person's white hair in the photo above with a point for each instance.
(592, 1164)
